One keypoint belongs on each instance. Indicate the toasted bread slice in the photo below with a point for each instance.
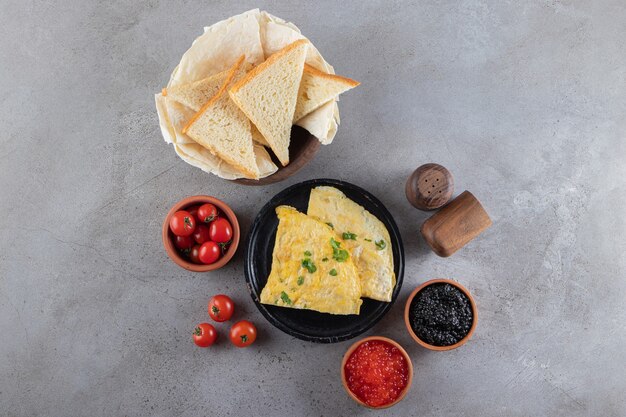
(224, 130)
(268, 95)
(318, 88)
(197, 94)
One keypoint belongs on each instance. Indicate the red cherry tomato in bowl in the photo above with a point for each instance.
(201, 234)
(193, 210)
(182, 223)
(204, 335)
(243, 333)
(221, 307)
(194, 254)
(207, 213)
(183, 242)
(209, 252)
(220, 230)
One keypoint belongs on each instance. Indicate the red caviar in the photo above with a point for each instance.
(377, 373)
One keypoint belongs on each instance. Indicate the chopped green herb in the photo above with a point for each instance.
(367, 240)
(324, 259)
(333, 272)
(285, 298)
(331, 225)
(334, 243)
(300, 280)
(309, 265)
(307, 253)
(380, 244)
(340, 255)
(348, 236)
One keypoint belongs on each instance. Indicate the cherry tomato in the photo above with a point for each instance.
(183, 242)
(193, 210)
(221, 307)
(207, 213)
(204, 335)
(220, 231)
(201, 234)
(243, 333)
(194, 254)
(209, 252)
(182, 223)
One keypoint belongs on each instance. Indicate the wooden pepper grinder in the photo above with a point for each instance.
(455, 225)
(429, 187)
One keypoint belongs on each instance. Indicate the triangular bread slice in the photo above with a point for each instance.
(318, 88)
(309, 270)
(268, 95)
(224, 130)
(195, 95)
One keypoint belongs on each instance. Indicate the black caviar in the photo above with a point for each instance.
(441, 314)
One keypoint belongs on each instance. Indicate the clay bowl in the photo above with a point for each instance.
(168, 236)
(302, 149)
(419, 341)
(391, 342)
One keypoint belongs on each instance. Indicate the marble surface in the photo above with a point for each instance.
(523, 101)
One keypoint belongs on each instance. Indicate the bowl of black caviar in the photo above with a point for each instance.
(441, 314)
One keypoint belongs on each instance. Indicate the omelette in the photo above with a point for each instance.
(363, 235)
(310, 267)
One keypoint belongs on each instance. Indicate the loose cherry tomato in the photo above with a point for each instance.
(209, 252)
(183, 242)
(193, 210)
(182, 223)
(243, 333)
(221, 307)
(201, 234)
(207, 213)
(194, 254)
(204, 335)
(220, 231)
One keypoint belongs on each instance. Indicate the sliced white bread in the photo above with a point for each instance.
(195, 95)
(257, 136)
(318, 88)
(268, 95)
(224, 130)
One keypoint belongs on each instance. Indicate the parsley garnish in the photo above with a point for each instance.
(300, 280)
(340, 255)
(348, 236)
(309, 265)
(324, 259)
(307, 253)
(333, 272)
(331, 225)
(285, 298)
(367, 240)
(380, 244)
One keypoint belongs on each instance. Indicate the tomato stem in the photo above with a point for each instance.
(197, 331)
(244, 338)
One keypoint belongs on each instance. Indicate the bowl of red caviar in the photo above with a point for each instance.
(376, 372)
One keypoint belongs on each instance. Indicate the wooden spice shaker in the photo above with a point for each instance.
(455, 225)
(429, 187)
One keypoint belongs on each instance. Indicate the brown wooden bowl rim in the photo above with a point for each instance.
(464, 291)
(358, 343)
(169, 245)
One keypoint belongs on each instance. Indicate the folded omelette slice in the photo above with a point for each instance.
(310, 269)
(363, 234)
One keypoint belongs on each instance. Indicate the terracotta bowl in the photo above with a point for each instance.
(353, 348)
(168, 236)
(302, 149)
(408, 307)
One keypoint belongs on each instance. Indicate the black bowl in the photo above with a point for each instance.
(306, 324)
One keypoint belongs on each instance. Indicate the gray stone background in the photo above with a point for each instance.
(524, 101)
